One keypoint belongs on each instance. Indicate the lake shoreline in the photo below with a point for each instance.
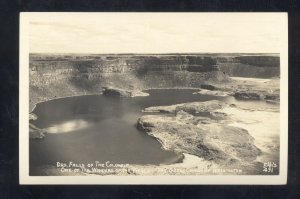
(142, 166)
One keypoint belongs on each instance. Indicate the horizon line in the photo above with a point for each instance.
(183, 53)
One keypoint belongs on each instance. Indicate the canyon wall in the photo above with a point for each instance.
(53, 76)
(261, 66)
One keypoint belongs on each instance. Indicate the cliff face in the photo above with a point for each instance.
(54, 76)
(250, 66)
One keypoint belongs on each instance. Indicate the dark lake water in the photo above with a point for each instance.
(96, 127)
(101, 128)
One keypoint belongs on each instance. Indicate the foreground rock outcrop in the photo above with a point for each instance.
(206, 137)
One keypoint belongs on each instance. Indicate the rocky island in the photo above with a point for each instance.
(123, 93)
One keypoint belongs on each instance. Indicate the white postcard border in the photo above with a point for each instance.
(24, 177)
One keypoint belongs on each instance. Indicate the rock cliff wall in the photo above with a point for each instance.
(53, 76)
(250, 66)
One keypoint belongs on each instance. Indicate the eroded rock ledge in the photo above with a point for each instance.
(206, 137)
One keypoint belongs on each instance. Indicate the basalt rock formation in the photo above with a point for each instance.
(53, 76)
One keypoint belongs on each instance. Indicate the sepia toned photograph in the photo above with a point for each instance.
(153, 98)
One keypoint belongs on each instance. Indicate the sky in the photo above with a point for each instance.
(156, 33)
